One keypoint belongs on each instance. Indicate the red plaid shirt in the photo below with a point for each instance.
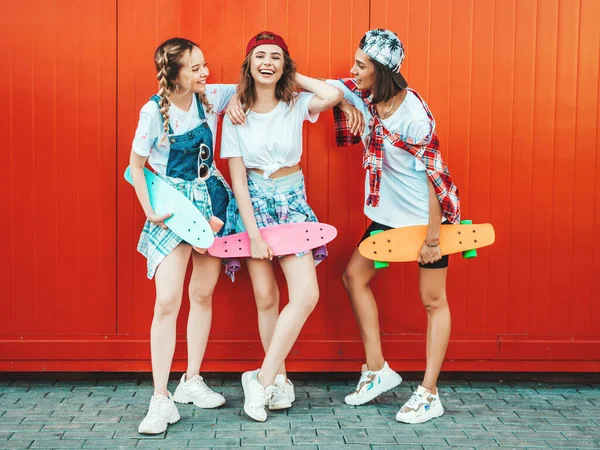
(427, 151)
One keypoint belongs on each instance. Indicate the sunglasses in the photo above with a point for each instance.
(203, 168)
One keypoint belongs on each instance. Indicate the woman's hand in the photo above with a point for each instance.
(259, 249)
(429, 255)
(158, 219)
(356, 120)
(235, 112)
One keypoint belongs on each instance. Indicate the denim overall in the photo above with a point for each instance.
(183, 160)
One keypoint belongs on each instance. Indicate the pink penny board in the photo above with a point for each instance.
(286, 239)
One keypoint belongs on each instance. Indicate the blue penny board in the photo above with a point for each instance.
(187, 221)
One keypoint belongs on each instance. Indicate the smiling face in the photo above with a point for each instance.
(268, 67)
(266, 64)
(363, 71)
(193, 73)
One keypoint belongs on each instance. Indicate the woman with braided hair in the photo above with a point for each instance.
(176, 136)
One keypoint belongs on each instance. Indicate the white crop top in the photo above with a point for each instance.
(271, 140)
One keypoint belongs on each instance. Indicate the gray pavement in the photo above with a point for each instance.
(105, 414)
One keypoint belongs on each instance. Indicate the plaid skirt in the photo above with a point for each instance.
(156, 243)
(277, 201)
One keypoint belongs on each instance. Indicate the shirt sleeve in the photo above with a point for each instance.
(350, 96)
(147, 131)
(302, 105)
(221, 94)
(230, 145)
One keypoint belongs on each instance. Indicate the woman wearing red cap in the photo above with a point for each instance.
(264, 152)
(407, 183)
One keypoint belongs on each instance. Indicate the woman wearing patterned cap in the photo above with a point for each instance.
(264, 153)
(407, 183)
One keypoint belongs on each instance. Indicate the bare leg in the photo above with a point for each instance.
(303, 291)
(432, 286)
(202, 285)
(357, 278)
(266, 295)
(169, 290)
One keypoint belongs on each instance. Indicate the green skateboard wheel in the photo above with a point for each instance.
(467, 254)
(379, 264)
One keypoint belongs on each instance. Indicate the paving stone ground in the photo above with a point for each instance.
(105, 414)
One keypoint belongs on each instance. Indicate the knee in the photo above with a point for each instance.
(312, 298)
(167, 306)
(352, 280)
(433, 301)
(267, 298)
(200, 296)
(308, 298)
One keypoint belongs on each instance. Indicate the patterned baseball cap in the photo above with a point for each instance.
(386, 48)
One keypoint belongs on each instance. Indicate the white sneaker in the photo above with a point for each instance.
(162, 412)
(197, 392)
(421, 407)
(256, 396)
(372, 384)
(284, 394)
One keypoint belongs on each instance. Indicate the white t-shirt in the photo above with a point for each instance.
(148, 140)
(404, 189)
(271, 140)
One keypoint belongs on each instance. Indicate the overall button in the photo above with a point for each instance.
(205, 125)
(172, 140)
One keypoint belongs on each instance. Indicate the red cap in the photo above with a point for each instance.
(277, 40)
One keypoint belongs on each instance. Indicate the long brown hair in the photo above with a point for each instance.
(168, 61)
(285, 88)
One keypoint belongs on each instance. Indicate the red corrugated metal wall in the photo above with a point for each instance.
(513, 85)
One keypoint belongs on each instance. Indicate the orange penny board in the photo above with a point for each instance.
(404, 244)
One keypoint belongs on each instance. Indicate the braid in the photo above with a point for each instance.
(205, 102)
(167, 59)
(163, 83)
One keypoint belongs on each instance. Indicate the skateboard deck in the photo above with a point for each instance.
(404, 244)
(286, 239)
(186, 221)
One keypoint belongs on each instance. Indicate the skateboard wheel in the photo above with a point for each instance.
(379, 264)
(233, 264)
(320, 253)
(467, 254)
